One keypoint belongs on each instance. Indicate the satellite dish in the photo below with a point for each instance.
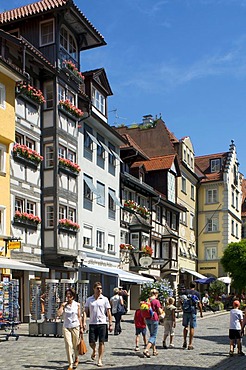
(145, 261)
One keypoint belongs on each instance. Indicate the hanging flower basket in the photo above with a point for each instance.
(126, 247)
(67, 164)
(133, 206)
(71, 109)
(71, 67)
(27, 218)
(22, 151)
(68, 224)
(31, 92)
(147, 250)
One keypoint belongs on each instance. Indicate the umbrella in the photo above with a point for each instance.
(205, 280)
(225, 279)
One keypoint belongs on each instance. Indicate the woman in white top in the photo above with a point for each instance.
(117, 308)
(72, 327)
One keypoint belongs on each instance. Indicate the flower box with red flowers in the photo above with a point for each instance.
(69, 226)
(26, 219)
(147, 250)
(69, 66)
(30, 92)
(71, 110)
(26, 155)
(69, 167)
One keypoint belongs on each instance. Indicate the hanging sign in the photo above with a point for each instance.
(14, 245)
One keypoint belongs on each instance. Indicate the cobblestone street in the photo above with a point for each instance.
(211, 350)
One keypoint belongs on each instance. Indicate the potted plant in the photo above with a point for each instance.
(26, 153)
(147, 250)
(26, 218)
(126, 247)
(34, 94)
(66, 163)
(68, 224)
(70, 108)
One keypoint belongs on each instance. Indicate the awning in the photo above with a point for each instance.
(121, 274)
(225, 279)
(105, 147)
(192, 272)
(10, 263)
(93, 139)
(115, 199)
(205, 281)
(116, 156)
(92, 187)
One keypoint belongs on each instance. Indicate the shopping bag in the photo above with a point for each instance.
(82, 347)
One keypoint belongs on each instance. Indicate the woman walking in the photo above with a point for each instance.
(153, 323)
(117, 308)
(72, 327)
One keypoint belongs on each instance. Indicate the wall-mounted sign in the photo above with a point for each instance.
(14, 245)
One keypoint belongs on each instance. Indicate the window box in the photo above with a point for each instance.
(67, 230)
(133, 207)
(27, 156)
(70, 68)
(126, 248)
(68, 226)
(66, 107)
(30, 93)
(68, 167)
(26, 220)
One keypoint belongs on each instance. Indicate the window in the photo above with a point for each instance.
(71, 215)
(174, 221)
(135, 240)
(49, 213)
(212, 196)
(98, 100)
(158, 213)
(237, 201)
(71, 156)
(87, 235)
(47, 34)
(30, 143)
(19, 139)
(212, 224)
(88, 194)
(19, 205)
(111, 204)
(2, 158)
(2, 96)
(61, 152)
(192, 218)
(111, 157)
(71, 97)
(215, 165)
(62, 212)
(210, 253)
(232, 199)
(100, 152)
(101, 191)
(111, 243)
(171, 194)
(68, 42)
(191, 161)
(232, 227)
(48, 93)
(192, 192)
(2, 220)
(183, 218)
(236, 230)
(165, 250)
(49, 155)
(183, 186)
(184, 154)
(61, 93)
(100, 240)
(30, 207)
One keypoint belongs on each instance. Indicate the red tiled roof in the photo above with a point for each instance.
(202, 164)
(133, 144)
(156, 163)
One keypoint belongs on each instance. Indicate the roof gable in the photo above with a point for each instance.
(100, 80)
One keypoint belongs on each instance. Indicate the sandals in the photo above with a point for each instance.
(93, 356)
(231, 353)
(184, 345)
(155, 353)
(190, 347)
(146, 354)
(137, 349)
(75, 365)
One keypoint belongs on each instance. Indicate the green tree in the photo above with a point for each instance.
(216, 288)
(234, 262)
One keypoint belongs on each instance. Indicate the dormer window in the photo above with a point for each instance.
(215, 165)
(98, 100)
(68, 43)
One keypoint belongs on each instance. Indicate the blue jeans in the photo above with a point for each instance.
(153, 329)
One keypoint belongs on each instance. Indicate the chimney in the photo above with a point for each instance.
(148, 119)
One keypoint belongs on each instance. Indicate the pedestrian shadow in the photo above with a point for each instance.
(219, 339)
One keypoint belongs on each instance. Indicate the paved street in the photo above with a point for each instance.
(211, 350)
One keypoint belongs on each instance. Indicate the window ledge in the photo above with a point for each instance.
(100, 250)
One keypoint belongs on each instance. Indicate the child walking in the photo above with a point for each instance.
(236, 325)
(169, 322)
(140, 328)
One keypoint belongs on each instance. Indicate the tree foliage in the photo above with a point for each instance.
(234, 262)
(216, 288)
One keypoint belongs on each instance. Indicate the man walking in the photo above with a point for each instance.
(189, 305)
(97, 307)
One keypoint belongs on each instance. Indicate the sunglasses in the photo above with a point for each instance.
(99, 287)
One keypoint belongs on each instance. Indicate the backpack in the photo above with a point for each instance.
(146, 309)
(189, 303)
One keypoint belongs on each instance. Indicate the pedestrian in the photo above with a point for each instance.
(152, 323)
(97, 307)
(205, 303)
(190, 316)
(140, 328)
(118, 309)
(236, 328)
(72, 327)
(169, 322)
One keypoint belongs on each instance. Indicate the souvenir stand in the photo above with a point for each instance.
(9, 307)
(35, 307)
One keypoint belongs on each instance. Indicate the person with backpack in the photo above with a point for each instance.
(190, 301)
(153, 322)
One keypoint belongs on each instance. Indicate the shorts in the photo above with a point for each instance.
(142, 331)
(98, 331)
(189, 319)
(234, 334)
(168, 327)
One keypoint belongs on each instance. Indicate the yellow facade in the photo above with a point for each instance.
(7, 137)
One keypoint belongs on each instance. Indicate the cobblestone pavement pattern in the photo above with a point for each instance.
(211, 350)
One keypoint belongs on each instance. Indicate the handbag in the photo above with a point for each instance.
(82, 347)
(121, 308)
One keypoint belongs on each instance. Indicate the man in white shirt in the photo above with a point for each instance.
(97, 307)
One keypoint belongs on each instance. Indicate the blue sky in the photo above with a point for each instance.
(183, 59)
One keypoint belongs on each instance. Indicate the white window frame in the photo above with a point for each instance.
(192, 192)
(71, 214)
(215, 165)
(48, 93)
(70, 36)
(100, 240)
(30, 207)
(49, 221)
(212, 196)
(98, 100)
(62, 212)
(101, 190)
(210, 253)
(19, 204)
(2, 96)
(183, 184)
(135, 239)
(212, 224)
(87, 236)
(3, 158)
(52, 40)
(111, 243)
(49, 155)
(192, 221)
